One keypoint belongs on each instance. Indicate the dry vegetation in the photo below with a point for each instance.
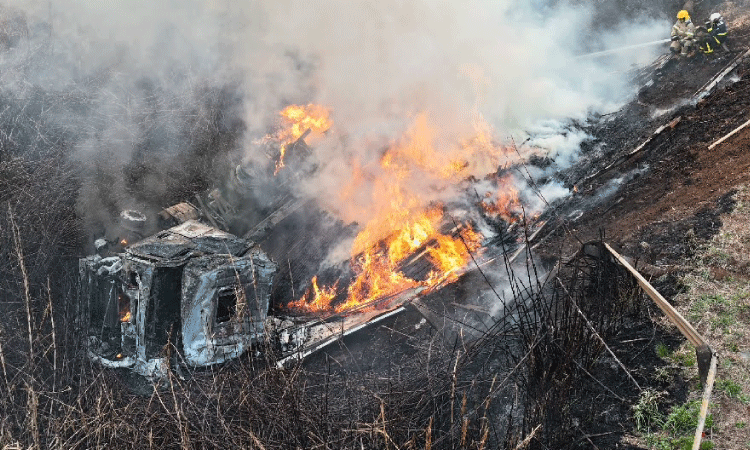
(521, 385)
(560, 369)
(528, 382)
(717, 302)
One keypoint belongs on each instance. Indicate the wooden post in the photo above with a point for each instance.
(704, 405)
(702, 350)
(732, 133)
(704, 354)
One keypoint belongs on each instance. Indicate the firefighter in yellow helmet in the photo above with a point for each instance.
(683, 34)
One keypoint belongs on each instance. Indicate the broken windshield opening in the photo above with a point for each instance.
(163, 310)
(226, 307)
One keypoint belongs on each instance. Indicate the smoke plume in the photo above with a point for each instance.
(159, 96)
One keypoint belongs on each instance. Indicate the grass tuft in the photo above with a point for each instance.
(646, 412)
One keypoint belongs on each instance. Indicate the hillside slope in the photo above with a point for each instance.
(673, 183)
(679, 206)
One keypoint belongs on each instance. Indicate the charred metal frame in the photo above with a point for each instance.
(202, 290)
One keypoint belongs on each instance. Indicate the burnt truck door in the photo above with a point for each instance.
(161, 323)
(225, 304)
(101, 303)
(154, 319)
(155, 295)
(139, 276)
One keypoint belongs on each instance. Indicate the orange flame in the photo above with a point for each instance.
(452, 254)
(297, 120)
(124, 308)
(403, 225)
(316, 299)
(506, 203)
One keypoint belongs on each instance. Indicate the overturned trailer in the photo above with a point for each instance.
(193, 287)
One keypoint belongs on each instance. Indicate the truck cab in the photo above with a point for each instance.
(191, 289)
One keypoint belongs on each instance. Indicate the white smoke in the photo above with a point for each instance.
(375, 64)
(389, 59)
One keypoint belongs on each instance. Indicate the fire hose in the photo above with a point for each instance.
(621, 49)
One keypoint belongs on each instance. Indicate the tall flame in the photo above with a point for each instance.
(403, 224)
(316, 299)
(297, 121)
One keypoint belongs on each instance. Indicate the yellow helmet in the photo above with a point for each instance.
(683, 15)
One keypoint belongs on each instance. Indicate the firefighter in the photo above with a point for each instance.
(683, 34)
(716, 34)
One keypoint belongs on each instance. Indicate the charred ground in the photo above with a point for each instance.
(665, 204)
(674, 183)
(667, 200)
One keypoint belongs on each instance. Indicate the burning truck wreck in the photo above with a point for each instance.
(205, 293)
(207, 282)
(194, 292)
(199, 288)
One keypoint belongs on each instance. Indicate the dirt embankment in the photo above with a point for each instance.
(679, 205)
(674, 188)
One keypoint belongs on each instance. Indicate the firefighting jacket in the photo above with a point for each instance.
(683, 30)
(718, 30)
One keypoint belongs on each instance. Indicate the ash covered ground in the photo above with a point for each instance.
(655, 206)
(674, 184)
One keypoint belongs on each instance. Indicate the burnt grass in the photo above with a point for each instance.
(673, 190)
(537, 370)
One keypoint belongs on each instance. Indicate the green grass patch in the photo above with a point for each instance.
(709, 301)
(724, 320)
(686, 443)
(685, 356)
(662, 351)
(658, 442)
(661, 442)
(729, 388)
(725, 309)
(672, 431)
(646, 412)
(705, 303)
(684, 418)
